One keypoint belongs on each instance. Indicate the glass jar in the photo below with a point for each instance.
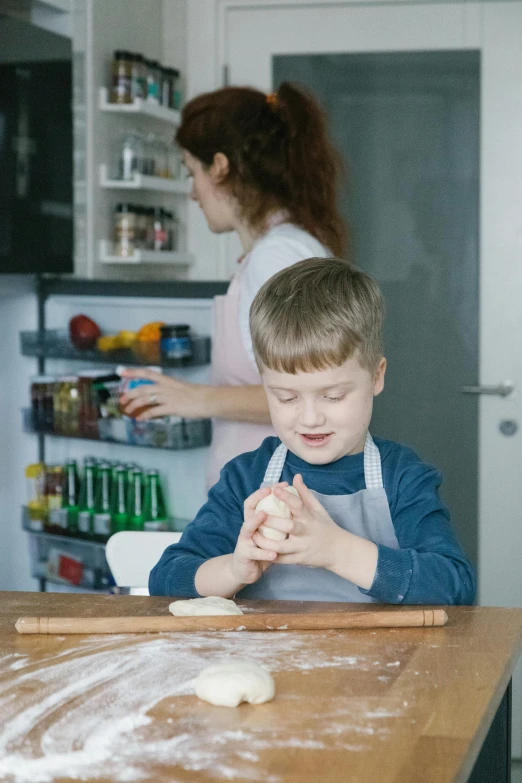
(176, 342)
(173, 161)
(172, 230)
(138, 77)
(162, 157)
(131, 155)
(42, 402)
(149, 155)
(153, 81)
(124, 230)
(53, 488)
(121, 88)
(141, 227)
(160, 234)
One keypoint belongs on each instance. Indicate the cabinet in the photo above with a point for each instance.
(181, 461)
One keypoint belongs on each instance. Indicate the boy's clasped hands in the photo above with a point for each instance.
(311, 534)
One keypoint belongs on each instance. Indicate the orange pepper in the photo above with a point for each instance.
(150, 332)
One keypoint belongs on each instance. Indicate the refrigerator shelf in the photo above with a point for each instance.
(175, 435)
(69, 560)
(55, 344)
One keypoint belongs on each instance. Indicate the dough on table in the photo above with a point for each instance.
(274, 507)
(228, 684)
(212, 605)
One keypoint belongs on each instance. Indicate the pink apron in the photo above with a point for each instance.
(231, 366)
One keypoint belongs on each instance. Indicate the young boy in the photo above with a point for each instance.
(368, 523)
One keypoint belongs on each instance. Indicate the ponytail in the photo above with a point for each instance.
(314, 168)
(279, 155)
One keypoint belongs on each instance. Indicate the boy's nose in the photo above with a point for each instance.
(310, 416)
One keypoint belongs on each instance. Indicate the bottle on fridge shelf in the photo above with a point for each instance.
(36, 506)
(154, 506)
(53, 497)
(102, 503)
(70, 498)
(86, 502)
(135, 511)
(119, 518)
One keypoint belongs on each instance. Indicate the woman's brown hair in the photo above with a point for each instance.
(279, 155)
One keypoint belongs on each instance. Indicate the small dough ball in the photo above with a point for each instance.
(229, 684)
(274, 507)
(212, 605)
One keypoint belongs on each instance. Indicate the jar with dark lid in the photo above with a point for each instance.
(139, 77)
(121, 88)
(153, 81)
(175, 342)
(124, 230)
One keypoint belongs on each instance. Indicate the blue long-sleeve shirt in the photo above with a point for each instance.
(428, 568)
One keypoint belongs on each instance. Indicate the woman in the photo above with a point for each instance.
(262, 165)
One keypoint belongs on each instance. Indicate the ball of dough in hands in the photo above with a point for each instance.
(211, 605)
(274, 507)
(229, 684)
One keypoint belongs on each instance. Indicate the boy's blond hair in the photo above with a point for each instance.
(317, 314)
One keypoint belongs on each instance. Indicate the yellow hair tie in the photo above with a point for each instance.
(271, 99)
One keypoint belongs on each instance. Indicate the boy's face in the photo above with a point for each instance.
(323, 415)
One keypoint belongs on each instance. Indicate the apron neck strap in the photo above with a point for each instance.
(372, 465)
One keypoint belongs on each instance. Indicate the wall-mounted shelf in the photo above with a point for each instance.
(181, 187)
(173, 435)
(144, 256)
(54, 344)
(139, 106)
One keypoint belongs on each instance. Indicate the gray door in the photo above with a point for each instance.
(407, 125)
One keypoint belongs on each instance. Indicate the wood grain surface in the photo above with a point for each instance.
(394, 705)
(303, 621)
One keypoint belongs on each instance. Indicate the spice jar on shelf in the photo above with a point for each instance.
(160, 234)
(125, 219)
(138, 77)
(130, 155)
(121, 87)
(153, 81)
(171, 225)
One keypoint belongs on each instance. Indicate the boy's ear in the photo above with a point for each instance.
(219, 168)
(378, 378)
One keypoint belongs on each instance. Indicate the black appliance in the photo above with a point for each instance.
(36, 167)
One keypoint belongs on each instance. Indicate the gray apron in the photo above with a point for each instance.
(365, 513)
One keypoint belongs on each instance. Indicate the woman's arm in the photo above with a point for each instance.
(171, 397)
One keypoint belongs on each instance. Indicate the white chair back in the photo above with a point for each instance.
(132, 554)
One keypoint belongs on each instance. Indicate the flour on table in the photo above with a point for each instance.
(211, 605)
(230, 683)
(116, 707)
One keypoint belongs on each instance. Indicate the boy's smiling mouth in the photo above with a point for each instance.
(315, 439)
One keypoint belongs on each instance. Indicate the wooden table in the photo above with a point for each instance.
(391, 705)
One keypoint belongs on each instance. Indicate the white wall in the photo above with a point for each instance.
(17, 312)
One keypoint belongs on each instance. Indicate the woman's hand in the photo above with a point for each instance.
(313, 536)
(167, 397)
(249, 561)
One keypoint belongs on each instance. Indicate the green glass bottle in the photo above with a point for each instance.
(136, 517)
(102, 503)
(154, 506)
(70, 498)
(119, 518)
(86, 502)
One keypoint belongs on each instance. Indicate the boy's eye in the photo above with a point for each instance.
(335, 399)
(287, 399)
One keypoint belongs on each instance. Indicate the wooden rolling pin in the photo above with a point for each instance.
(246, 622)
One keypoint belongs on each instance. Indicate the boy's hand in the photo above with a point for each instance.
(250, 561)
(312, 541)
